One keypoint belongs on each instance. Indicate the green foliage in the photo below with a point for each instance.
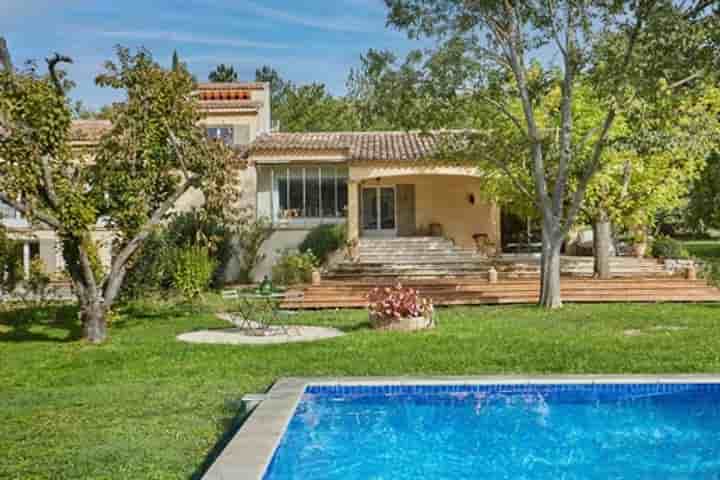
(11, 262)
(223, 74)
(666, 247)
(294, 267)
(703, 209)
(415, 94)
(203, 228)
(154, 152)
(251, 237)
(323, 240)
(38, 282)
(193, 271)
(152, 268)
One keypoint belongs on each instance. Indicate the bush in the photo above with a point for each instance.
(11, 266)
(198, 227)
(294, 267)
(153, 268)
(323, 240)
(251, 238)
(666, 247)
(193, 271)
(393, 303)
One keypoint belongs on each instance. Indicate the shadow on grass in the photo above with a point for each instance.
(22, 319)
(228, 426)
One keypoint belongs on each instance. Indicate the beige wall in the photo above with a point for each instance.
(442, 195)
(445, 200)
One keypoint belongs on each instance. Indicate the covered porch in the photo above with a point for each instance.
(389, 201)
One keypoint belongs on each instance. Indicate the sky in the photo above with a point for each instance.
(304, 40)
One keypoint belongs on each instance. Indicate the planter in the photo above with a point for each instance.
(410, 324)
(639, 249)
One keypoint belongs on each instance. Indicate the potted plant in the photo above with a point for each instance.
(640, 242)
(399, 308)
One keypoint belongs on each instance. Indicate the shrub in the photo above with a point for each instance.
(666, 247)
(11, 266)
(294, 267)
(193, 271)
(323, 240)
(152, 269)
(392, 303)
(198, 227)
(251, 238)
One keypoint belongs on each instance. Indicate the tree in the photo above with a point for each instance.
(223, 74)
(278, 86)
(656, 151)
(388, 95)
(703, 210)
(154, 153)
(622, 48)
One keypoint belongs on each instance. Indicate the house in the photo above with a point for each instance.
(380, 184)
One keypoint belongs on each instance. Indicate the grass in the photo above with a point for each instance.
(146, 406)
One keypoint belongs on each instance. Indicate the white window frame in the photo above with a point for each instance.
(339, 172)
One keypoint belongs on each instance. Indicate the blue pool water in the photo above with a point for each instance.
(503, 432)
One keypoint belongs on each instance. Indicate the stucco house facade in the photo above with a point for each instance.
(379, 184)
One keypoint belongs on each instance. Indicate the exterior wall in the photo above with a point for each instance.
(445, 200)
(287, 235)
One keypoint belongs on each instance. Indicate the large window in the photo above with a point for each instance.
(309, 192)
(221, 134)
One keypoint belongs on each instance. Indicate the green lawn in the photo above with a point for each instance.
(146, 406)
(705, 249)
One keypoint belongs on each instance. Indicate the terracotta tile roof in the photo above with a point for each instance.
(356, 145)
(88, 130)
(231, 86)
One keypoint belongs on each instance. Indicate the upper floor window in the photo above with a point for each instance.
(10, 216)
(223, 134)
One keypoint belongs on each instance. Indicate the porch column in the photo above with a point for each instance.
(353, 220)
(26, 260)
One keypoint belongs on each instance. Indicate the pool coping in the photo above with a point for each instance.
(250, 451)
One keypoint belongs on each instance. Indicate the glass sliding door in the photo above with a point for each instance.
(370, 211)
(378, 211)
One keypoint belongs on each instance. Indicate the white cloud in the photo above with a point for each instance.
(178, 37)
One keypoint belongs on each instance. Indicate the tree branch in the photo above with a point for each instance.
(5, 59)
(114, 278)
(48, 181)
(28, 212)
(594, 162)
(52, 67)
(502, 109)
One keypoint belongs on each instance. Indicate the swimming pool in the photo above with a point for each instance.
(545, 430)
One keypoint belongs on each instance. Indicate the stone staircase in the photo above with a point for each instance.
(435, 257)
(412, 257)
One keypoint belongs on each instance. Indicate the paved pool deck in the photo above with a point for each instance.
(251, 450)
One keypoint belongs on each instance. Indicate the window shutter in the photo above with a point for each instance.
(242, 134)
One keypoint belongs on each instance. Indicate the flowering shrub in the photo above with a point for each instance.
(393, 303)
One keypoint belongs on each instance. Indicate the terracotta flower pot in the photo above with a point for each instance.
(409, 324)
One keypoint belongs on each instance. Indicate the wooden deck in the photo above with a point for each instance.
(351, 294)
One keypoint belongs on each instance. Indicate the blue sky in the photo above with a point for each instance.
(305, 40)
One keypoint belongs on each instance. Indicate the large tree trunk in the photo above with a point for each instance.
(94, 322)
(550, 270)
(602, 238)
